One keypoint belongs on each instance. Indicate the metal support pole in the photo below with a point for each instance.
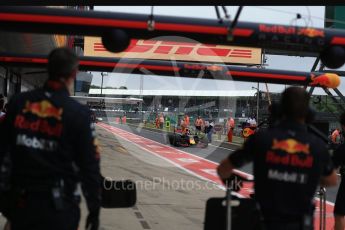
(102, 83)
(141, 96)
(315, 64)
(334, 99)
(311, 90)
(225, 12)
(218, 14)
(317, 60)
(322, 207)
(234, 23)
(268, 95)
(228, 207)
(339, 94)
(238, 13)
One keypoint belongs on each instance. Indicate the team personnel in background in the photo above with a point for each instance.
(183, 126)
(225, 128)
(335, 137)
(252, 122)
(157, 121)
(339, 162)
(124, 119)
(52, 147)
(209, 130)
(289, 164)
(186, 120)
(198, 123)
(161, 121)
(230, 127)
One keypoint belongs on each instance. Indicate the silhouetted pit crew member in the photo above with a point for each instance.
(52, 147)
(289, 163)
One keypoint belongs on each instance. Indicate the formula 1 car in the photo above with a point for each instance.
(186, 139)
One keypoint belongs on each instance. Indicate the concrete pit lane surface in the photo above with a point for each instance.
(167, 197)
(173, 184)
(200, 166)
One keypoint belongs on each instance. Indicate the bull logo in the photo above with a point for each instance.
(247, 132)
(310, 32)
(290, 146)
(43, 109)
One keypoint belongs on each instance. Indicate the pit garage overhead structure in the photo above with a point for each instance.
(184, 69)
(12, 80)
(128, 100)
(16, 79)
(119, 28)
(178, 93)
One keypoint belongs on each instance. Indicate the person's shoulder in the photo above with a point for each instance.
(77, 109)
(317, 144)
(315, 140)
(82, 108)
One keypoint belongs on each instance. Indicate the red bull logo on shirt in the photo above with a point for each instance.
(290, 146)
(43, 109)
(297, 154)
(39, 125)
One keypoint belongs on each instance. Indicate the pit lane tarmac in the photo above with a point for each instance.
(215, 152)
(168, 197)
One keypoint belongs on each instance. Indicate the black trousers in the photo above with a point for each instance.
(289, 223)
(283, 226)
(339, 207)
(37, 212)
